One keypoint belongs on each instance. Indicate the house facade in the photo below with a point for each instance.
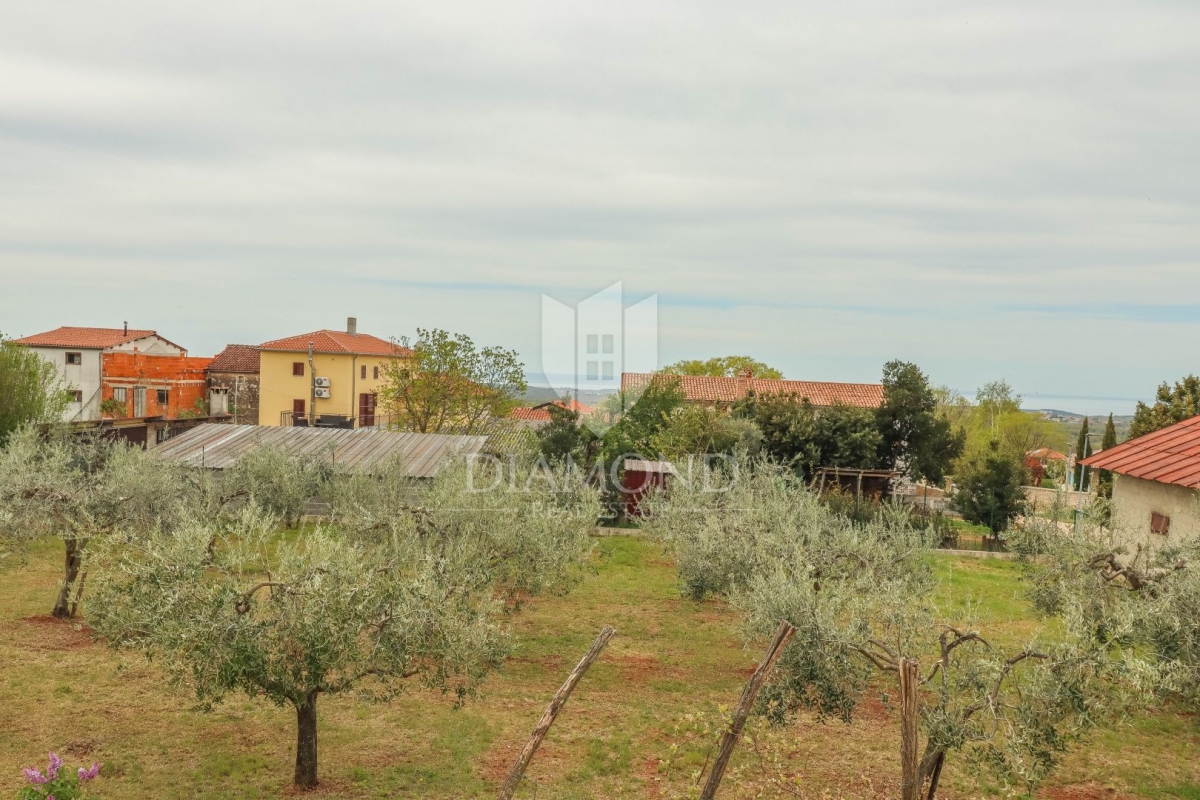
(77, 356)
(140, 385)
(326, 378)
(1156, 485)
(233, 383)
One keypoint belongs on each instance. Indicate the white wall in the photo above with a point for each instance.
(84, 377)
(1134, 499)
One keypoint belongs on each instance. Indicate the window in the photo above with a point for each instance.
(164, 397)
(593, 344)
(1160, 523)
(119, 394)
(297, 408)
(298, 368)
(593, 370)
(139, 401)
(376, 375)
(608, 344)
(76, 396)
(74, 358)
(606, 370)
(363, 373)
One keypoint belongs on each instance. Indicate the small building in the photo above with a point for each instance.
(639, 479)
(874, 485)
(1156, 486)
(723, 391)
(140, 385)
(76, 354)
(233, 383)
(539, 415)
(325, 378)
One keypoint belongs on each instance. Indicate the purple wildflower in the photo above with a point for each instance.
(55, 765)
(34, 777)
(88, 774)
(49, 797)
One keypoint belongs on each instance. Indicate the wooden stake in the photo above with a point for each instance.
(734, 731)
(910, 684)
(556, 705)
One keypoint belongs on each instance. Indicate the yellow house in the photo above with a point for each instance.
(324, 377)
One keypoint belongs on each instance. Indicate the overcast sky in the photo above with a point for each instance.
(988, 191)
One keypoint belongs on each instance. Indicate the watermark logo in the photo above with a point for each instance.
(587, 348)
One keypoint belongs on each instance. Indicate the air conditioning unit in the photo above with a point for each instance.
(322, 394)
(322, 382)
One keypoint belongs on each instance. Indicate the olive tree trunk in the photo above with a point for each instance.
(306, 742)
(910, 681)
(65, 606)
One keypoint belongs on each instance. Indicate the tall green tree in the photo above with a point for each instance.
(31, 389)
(1083, 449)
(563, 438)
(1104, 477)
(914, 438)
(723, 367)
(805, 438)
(450, 382)
(1171, 405)
(989, 487)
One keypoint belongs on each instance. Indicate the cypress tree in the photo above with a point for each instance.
(1083, 449)
(1104, 476)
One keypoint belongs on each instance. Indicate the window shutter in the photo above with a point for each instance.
(1160, 523)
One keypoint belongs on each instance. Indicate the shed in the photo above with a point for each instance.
(220, 446)
(640, 478)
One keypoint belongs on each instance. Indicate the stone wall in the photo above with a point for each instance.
(235, 393)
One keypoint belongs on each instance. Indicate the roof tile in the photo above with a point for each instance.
(1170, 455)
(85, 338)
(236, 358)
(727, 390)
(338, 342)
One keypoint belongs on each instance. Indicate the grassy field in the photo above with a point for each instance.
(640, 725)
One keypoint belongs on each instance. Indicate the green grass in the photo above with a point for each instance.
(640, 724)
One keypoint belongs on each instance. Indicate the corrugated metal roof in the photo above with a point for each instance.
(1170, 455)
(726, 390)
(220, 446)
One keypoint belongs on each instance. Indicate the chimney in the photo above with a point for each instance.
(126, 327)
(352, 326)
(743, 381)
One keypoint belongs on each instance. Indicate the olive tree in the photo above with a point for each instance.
(80, 487)
(863, 599)
(405, 583)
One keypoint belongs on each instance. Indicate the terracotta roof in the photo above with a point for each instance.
(85, 338)
(236, 358)
(538, 414)
(727, 390)
(1170, 455)
(1046, 454)
(340, 342)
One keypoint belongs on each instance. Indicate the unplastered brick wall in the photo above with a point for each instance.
(146, 381)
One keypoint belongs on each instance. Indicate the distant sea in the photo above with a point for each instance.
(1081, 404)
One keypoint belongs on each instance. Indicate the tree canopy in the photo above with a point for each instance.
(989, 488)
(914, 438)
(1172, 404)
(405, 582)
(32, 391)
(723, 367)
(450, 382)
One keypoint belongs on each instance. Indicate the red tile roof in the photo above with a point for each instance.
(727, 390)
(541, 413)
(236, 358)
(339, 342)
(531, 414)
(85, 338)
(1170, 455)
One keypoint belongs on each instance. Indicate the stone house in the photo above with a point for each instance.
(233, 383)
